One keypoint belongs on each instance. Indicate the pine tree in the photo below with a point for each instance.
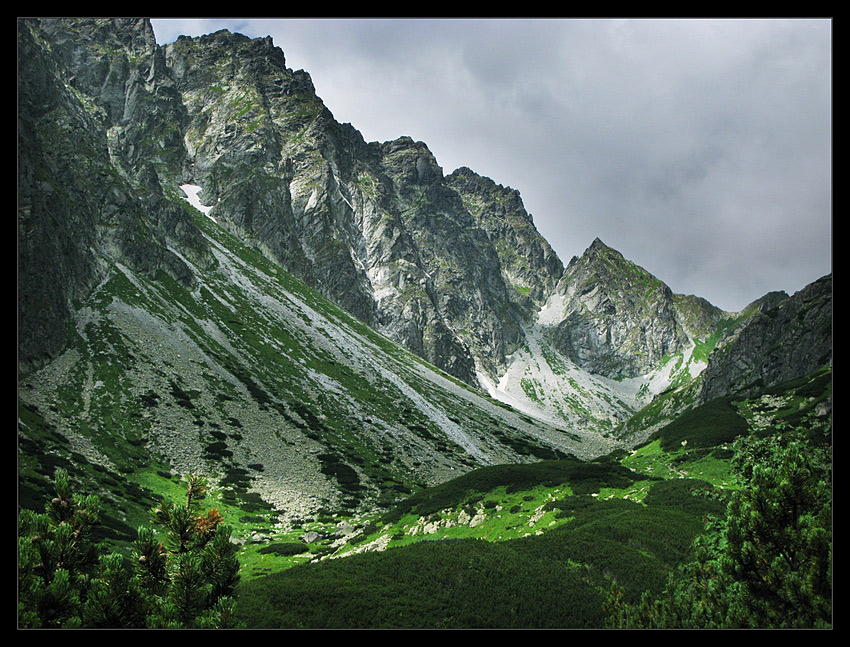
(768, 564)
(66, 580)
(778, 535)
(56, 557)
(191, 580)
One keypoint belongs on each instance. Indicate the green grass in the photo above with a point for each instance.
(555, 580)
(530, 386)
(708, 425)
(551, 537)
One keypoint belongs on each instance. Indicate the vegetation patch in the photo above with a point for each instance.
(284, 549)
(557, 580)
(712, 424)
(694, 496)
(582, 477)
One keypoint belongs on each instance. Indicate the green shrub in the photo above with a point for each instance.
(583, 477)
(714, 423)
(284, 549)
(768, 563)
(66, 580)
(689, 495)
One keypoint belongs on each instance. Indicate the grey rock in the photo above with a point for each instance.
(79, 211)
(786, 338)
(619, 320)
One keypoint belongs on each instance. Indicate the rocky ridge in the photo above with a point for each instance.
(615, 319)
(375, 227)
(788, 336)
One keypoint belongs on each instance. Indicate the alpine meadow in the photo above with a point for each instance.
(271, 375)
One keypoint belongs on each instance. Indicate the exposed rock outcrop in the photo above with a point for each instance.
(83, 203)
(787, 337)
(618, 320)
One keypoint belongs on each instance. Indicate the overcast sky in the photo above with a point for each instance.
(700, 149)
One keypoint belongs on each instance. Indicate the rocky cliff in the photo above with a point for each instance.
(375, 227)
(786, 337)
(88, 189)
(616, 319)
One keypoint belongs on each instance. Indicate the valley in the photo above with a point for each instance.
(409, 412)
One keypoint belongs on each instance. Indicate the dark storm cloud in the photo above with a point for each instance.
(701, 149)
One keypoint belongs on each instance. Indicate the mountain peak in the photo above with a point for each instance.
(597, 247)
(599, 251)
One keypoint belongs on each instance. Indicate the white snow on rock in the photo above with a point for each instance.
(191, 191)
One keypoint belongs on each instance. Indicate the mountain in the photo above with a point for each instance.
(786, 337)
(155, 338)
(377, 228)
(609, 338)
(215, 275)
(616, 319)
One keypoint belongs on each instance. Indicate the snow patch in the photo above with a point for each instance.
(191, 191)
(552, 312)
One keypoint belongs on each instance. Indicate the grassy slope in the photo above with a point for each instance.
(530, 545)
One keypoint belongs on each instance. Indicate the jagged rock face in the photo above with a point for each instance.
(52, 215)
(115, 67)
(459, 266)
(375, 227)
(242, 106)
(529, 265)
(698, 317)
(78, 211)
(617, 319)
(786, 338)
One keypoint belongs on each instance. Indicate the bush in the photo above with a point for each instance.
(715, 423)
(284, 549)
(66, 581)
(768, 564)
(555, 580)
(689, 495)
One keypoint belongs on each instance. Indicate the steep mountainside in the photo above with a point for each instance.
(375, 227)
(254, 379)
(616, 319)
(786, 337)
(528, 263)
(322, 326)
(81, 201)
